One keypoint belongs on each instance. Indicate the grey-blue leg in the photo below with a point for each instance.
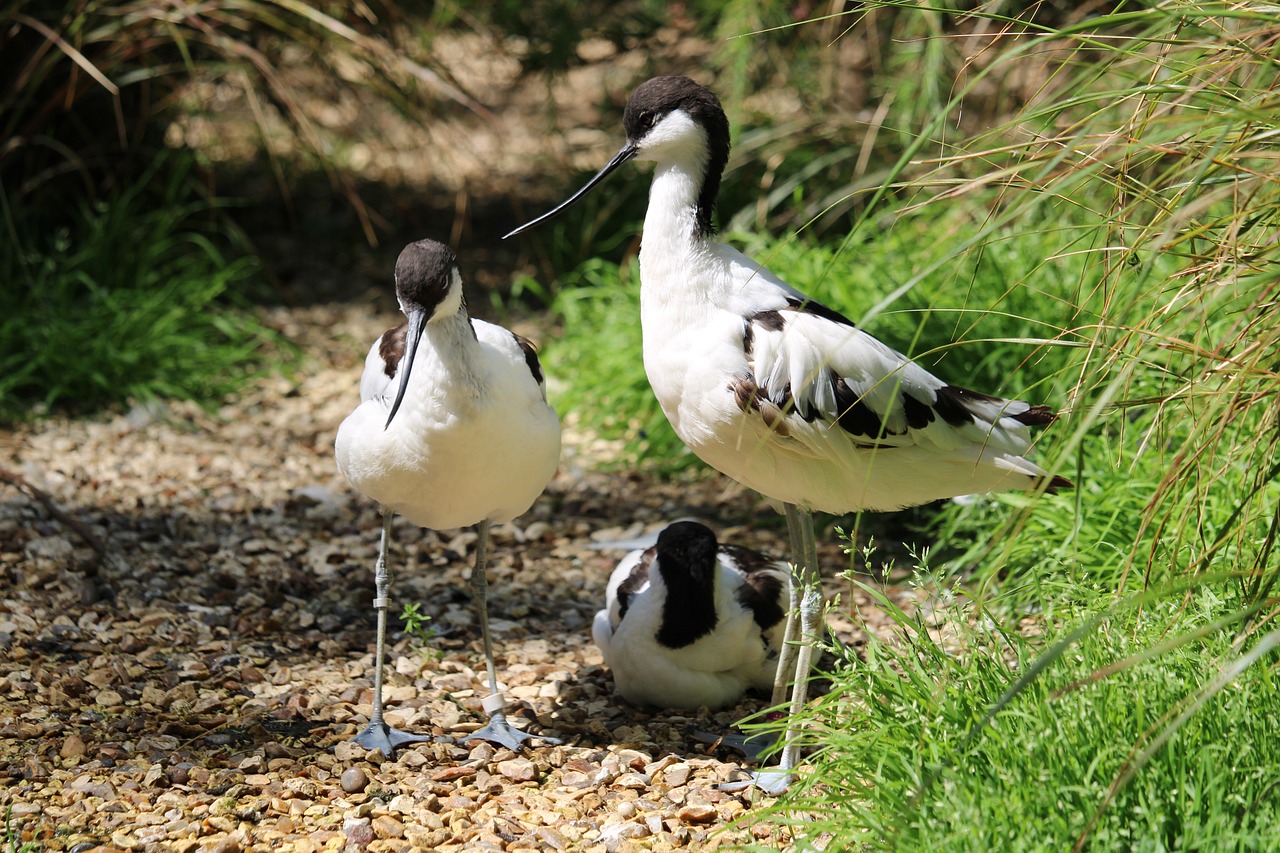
(806, 599)
(498, 730)
(379, 735)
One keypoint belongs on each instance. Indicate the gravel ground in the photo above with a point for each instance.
(194, 686)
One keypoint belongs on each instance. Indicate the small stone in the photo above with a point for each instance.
(449, 774)
(233, 842)
(386, 826)
(697, 813)
(357, 831)
(636, 781)
(72, 747)
(354, 780)
(518, 770)
(108, 699)
(154, 774)
(676, 775)
(551, 839)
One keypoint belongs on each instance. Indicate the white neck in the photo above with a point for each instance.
(671, 250)
(449, 358)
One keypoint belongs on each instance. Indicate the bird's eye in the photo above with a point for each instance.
(649, 120)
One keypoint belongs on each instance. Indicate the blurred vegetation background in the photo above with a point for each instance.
(1071, 203)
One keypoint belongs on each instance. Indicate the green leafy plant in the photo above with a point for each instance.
(135, 298)
(417, 626)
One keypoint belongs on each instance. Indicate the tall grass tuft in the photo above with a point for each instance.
(88, 88)
(135, 298)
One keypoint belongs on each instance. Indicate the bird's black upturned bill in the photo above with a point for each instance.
(417, 320)
(626, 153)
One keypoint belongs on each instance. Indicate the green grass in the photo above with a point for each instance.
(1091, 751)
(139, 297)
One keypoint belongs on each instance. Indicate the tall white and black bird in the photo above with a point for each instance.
(453, 430)
(780, 392)
(690, 622)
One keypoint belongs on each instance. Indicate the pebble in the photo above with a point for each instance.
(697, 813)
(677, 775)
(72, 747)
(518, 770)
(449, 774)
(109, 699)
(385, 826)
(354, 780)
(358, 832)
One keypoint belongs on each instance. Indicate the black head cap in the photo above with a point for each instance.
(658, 96)
(424, 272)
(690, 545)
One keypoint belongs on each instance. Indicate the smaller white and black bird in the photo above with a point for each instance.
(691, 622)
(453, 429)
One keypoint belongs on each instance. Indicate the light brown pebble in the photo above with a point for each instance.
(636, 781)
(449, 774)
(354, 780)
(518, 770)
(72, 747)
(551, 838)
(108, 699)
(677, 775)
(230, 843)
(697, 813)
(387, 827)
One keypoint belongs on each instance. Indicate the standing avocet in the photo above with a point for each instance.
(453, 429)
(780, 392)
(692, 622)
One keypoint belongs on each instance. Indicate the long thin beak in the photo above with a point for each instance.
(626, 153)
(417, 321)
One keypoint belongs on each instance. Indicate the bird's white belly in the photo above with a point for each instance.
(690, 374)
(450, 472)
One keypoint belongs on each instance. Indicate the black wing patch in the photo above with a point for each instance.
(530, 356)
(811, 306)
(391, 350)
(635, 581)
(763, 592)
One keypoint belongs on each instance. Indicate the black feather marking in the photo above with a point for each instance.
(748, 337)
(391, 350)
(771, 320)
(1056, 482)
(762, 592)
(855, 417)
(919, 415)
(816, 308)
(1037, 416)
(635, 581)
(802, 407)
(686, 559)
(530, 356)
(951, 406)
